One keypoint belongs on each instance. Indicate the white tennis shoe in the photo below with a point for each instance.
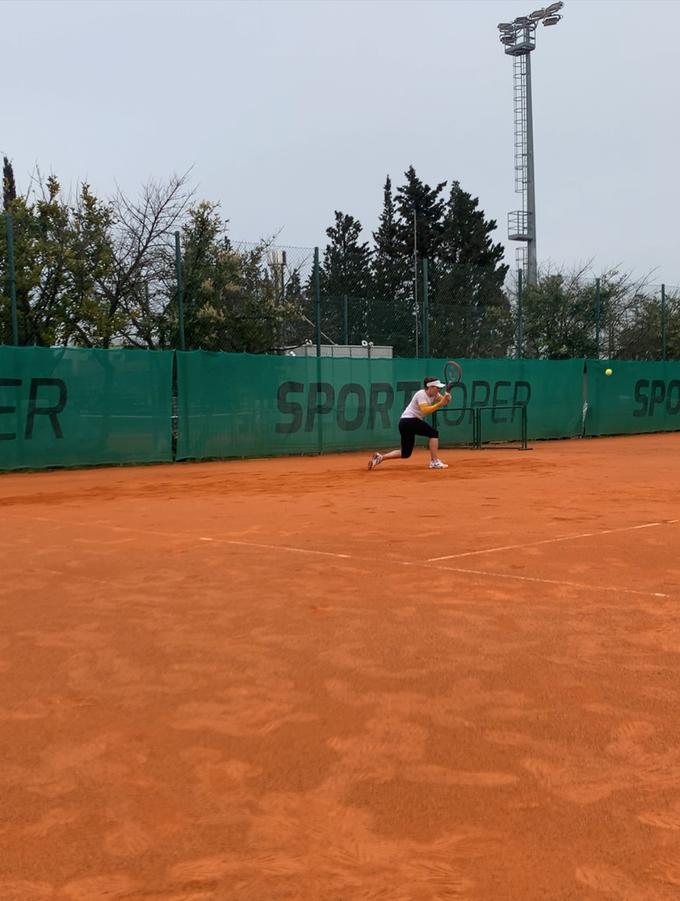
(375, 460)
(437, 464)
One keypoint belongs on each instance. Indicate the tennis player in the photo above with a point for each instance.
(425, 401)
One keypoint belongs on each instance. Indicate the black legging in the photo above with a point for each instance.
(411, 426)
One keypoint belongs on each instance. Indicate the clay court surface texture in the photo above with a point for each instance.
(297, 679)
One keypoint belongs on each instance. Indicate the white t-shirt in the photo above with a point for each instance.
(413, 410)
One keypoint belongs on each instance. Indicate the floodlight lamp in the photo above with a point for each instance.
(536, 15)
(554, 8)
(508, 39)
(521, 20)
(505, 26)
(551, 20)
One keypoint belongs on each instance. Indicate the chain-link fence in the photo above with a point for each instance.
(197, 289)
(559, 318)
(610, 318)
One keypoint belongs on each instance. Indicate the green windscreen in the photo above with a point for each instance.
(638, 396)
(550, 390)
(77, 407)
(237, 405)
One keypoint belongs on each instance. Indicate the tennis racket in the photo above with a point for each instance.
(453, 373)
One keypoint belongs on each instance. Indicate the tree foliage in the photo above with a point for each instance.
(345, 278)
(469, 312)
(9, 188)
(390, 307)
(97, 272)
(234, 299)
(563, 316)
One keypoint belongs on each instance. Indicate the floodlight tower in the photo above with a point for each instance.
(519, 39)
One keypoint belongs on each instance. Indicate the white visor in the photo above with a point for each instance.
(435, 384)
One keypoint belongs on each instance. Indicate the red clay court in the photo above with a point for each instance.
(295, 679)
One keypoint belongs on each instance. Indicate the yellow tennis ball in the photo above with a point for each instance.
(608, 371)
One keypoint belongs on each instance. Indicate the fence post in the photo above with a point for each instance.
(426, 310)
(415, 280)
(180, 290)
(317, 301)
(520, 336)
(663, 322)
(597, 318)
(345, 318)
(12, 278)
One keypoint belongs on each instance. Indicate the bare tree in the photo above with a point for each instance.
(134, 293)
(563, 316)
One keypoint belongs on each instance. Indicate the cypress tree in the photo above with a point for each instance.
(390, 320)
(9, 189)
(419, 200)
(345, 272)
(470, 310)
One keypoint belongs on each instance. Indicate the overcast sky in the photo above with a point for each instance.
(289, 110)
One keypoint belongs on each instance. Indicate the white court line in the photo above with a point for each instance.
(476, 572)
(268, 547)
(512, 547)
(501, 576)
(272, 547)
